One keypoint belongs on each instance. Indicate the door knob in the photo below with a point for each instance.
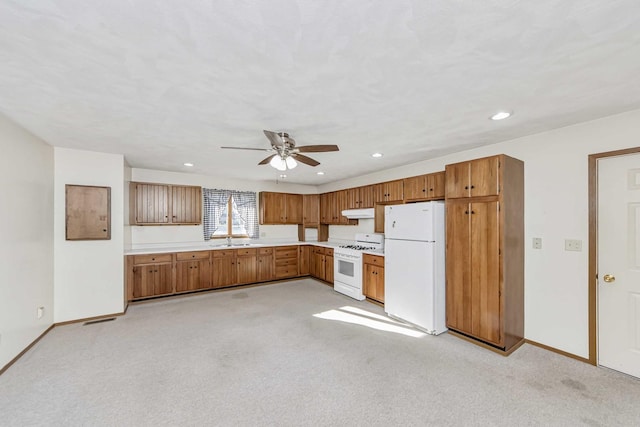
(609, 278)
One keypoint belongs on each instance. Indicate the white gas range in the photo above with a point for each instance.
(347, 274)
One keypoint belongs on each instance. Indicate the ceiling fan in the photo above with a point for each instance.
(285, 152)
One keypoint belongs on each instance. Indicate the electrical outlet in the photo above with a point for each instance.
(537, 243)
(573, 245)
(40, 312)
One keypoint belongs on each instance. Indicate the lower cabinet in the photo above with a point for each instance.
(265, 265)
(247, 264)
(193, 271)
(321, 263)
(149, 275)
(224, 268)
(286, 261)
(373, 277)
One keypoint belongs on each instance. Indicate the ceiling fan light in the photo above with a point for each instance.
(291, 162)
(278, 163)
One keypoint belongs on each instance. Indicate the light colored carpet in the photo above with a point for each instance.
(259, 356)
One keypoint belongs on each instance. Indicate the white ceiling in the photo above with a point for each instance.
(167, 82)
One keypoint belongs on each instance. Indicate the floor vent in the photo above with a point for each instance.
(93, 322)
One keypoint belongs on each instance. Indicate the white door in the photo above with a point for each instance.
(619, 263)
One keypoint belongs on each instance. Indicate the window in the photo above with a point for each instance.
(231, 223)
(229, 213)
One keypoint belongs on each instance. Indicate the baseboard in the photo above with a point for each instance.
(563, 353)
(27, 348)
(89, 319)
(487, 346)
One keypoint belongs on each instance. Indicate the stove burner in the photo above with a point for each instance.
(358, 247)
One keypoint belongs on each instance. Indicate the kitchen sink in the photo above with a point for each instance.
(236, 245)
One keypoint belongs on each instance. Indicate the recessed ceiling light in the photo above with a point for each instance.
(500, 115)
(319, 173)
(190, 165)
(376, 155)
(283, 175)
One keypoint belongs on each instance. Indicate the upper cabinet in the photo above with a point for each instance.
(360, 197)
(163, 204)
(474, 178)
(311, 210)
(280, 208)
(391, 191)
(424, 187)
(331, 207)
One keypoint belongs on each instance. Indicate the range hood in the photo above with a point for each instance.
(358, 213)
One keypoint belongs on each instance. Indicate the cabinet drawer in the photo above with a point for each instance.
(318, 250)
(287, 252)
(286, 271)
(226, 253)
(328, 251)
(247, 252)
(151, 258)
(265, 251)
(373, 259)
(285, 262)
(185, 256)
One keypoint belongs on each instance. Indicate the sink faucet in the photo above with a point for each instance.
(228, 240)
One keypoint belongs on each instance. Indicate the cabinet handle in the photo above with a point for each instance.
(473, 186)
(466, 212)
(472, 212)
(466, 187)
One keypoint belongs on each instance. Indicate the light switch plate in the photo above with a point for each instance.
(537, 243)
(573, 245)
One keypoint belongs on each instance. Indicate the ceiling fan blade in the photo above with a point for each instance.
(247, 148)
(306, 160)
(267, 160)
(274, 138)
(317, 148)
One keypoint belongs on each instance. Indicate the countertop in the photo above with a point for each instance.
(158, 249)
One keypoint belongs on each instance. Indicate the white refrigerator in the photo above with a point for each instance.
(414, 268)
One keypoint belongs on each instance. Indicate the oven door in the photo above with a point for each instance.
(348, 270)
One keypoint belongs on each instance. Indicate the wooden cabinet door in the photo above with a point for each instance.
(458, 274)
(328, 268)
(326, 208)
(247, 269)
(457, 180)
(224, 271)
(415, 188)
(319, 261)
(353, 198)
(395, 190)
(378, 219)
(484, 177)
(186, 205)
(434, 186)
(366, 196)
(265, 268)
(303, 260)
(151, 203)
(311, 209)
(373, 286)
(272, 208)
(192, 275)
(152, 279)
(485, 272)
(341, 204)
(293, 209)
(379, 193)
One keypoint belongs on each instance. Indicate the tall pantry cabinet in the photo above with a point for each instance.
(485, 250)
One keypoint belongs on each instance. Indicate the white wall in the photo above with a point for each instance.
(26, 242)
(148, 235)
(556, 208)
(88, 279)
